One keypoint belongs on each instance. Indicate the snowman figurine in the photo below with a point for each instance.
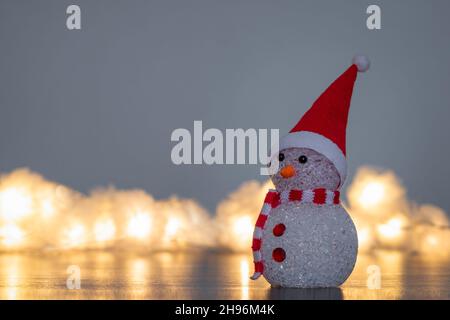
(303, 237)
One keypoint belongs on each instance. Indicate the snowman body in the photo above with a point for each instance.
(317, 248)
(303, 237)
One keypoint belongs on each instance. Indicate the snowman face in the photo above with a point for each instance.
(302, 168)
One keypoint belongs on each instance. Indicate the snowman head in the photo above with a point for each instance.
(303, 168)
(313, 153)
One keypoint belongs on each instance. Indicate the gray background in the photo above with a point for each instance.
(97, 106)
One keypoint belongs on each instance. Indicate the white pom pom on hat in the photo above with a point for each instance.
(361, 62)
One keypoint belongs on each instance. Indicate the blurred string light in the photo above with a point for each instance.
(139, 225)
(391, 229)
(38, 214)
(105, 230)
(243, 227)
(47, 208)
(371, 194)
(236, 215)
(15, 203)
(74, 235)
(386, 219)
(172, 227)
(11, 235)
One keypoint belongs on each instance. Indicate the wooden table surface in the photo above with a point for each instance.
(207, 275)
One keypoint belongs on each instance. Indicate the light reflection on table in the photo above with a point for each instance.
(197, 275)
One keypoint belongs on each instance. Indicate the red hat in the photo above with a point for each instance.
(322, 128)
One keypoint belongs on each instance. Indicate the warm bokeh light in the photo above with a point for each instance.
(74, 235)
(236, 215)
(393, 232)
(365, 238)
(139, 225)
(376, 192)
(172, 227)
(391, 229)
(371, 194)
(47, 208)
(104, 230)
(11, 235)
(243, 227)
(431, 241)
(36, 213)
(15, 203)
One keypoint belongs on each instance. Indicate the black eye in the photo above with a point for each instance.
(302, 159)
(281, 157)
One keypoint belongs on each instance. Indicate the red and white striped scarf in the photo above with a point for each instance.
(272, 200)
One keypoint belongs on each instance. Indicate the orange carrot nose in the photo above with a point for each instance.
(287, 171)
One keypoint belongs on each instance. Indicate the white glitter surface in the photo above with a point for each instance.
(320, 242)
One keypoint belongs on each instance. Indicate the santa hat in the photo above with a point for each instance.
(322, 128)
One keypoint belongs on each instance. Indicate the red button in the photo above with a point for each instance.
(278, 255)
(279, 229)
